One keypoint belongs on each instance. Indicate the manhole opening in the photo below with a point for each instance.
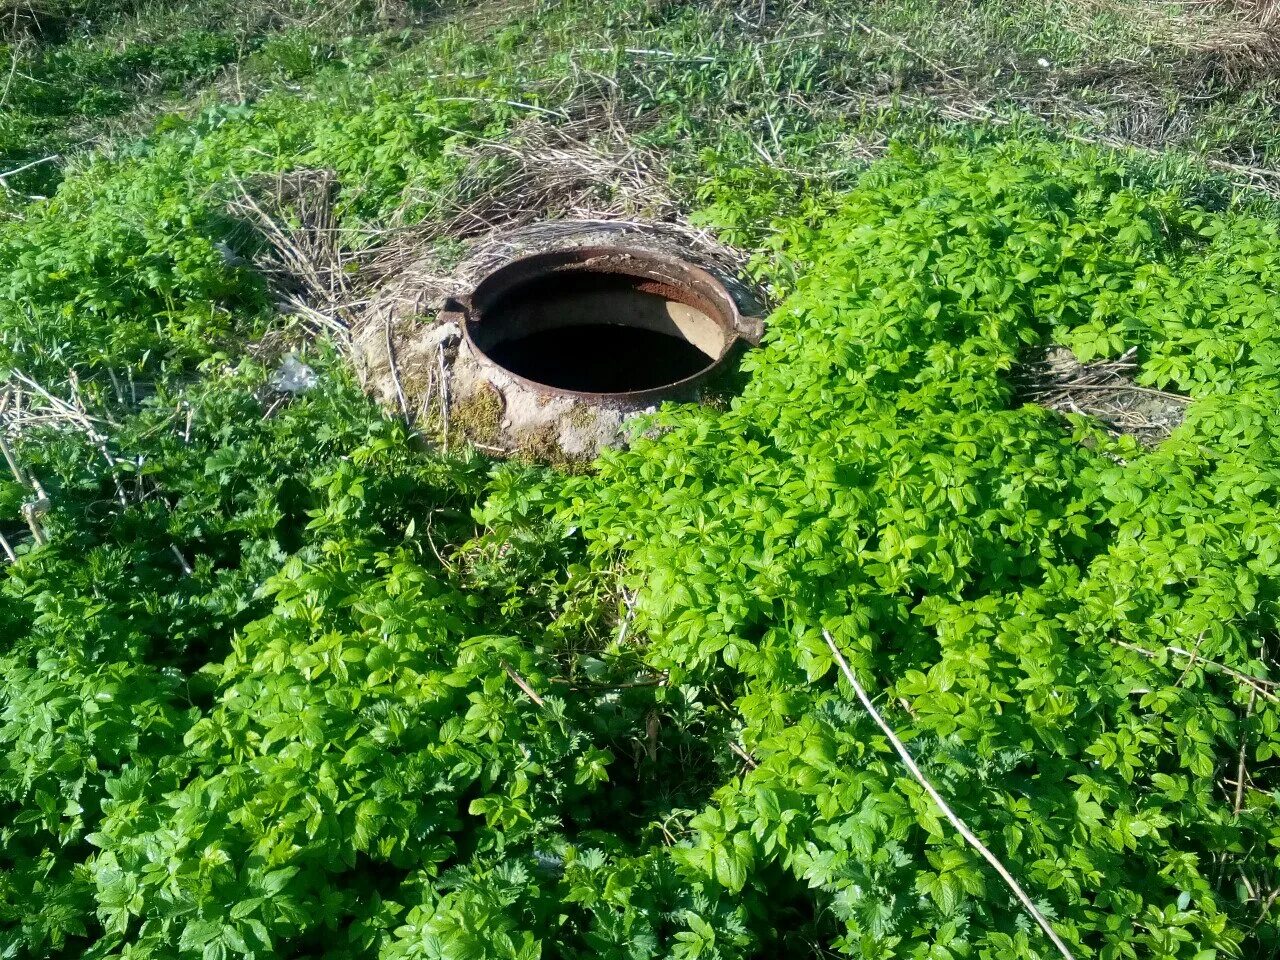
(600, 333)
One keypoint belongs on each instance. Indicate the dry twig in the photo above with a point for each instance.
(1266, 908)
(1244, 744)
(182, 561)
(444, 401)
(746, 758)
(1259, 685)
(395, 373)
(19, 475)
(523, 684)
(951, 816)
(1103, 390)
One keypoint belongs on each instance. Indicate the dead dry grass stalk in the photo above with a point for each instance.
(952, 817)
(1105, 391)
(304, 259)
(547, 184)
(1244, 33)
(585, 168)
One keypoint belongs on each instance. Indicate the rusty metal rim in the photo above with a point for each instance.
(690, 284)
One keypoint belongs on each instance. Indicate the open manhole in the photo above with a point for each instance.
(603, 323)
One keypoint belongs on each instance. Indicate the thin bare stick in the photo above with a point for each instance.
(75, 413)
(424, 409)
(1191, 661)
(38, 487)
(1244, 743)
(940, 67)
(77, 401)
(630, 602)
(1163, 394)
(15, 54)
(1253, 894)
(14, 467)
(19, 474)
(186, 567)
(8, 550)
(509, 103)
(431, 542)
(62, 407)
(444, 399)
(1259, 684)
(28, 166)
(746, 758)
(520, 682)
(32, 512)
(951, 816)
(590, 685)
(116, 385)
(1266, 908)
(115, 477)
(395, 373)
(642, 52)
(1248, 786)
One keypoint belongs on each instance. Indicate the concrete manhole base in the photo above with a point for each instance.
(548, 351)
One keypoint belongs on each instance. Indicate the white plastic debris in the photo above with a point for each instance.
(229, 256)
(293, 376)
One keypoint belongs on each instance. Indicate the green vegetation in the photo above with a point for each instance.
(994, 574)
(79, 72)
(288, 681)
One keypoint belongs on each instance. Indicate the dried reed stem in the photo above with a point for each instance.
(951, 816)
(32, 512)
(444, 399)
(1259, 685)
(186, 567)
(745, 757)
(522, 684)
(1244, 744)
(14, 467)
(395, 372)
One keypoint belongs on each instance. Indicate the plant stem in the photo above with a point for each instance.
(32, 516)
(1257, 684)
(14, 467)
(955, 820)
(1244, 743)
(520, 682)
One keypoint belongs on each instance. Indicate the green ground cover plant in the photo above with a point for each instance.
(1014, 583)
(80, 76)
(287, 680)
(1011, 588)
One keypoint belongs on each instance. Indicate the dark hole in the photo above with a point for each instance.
(600, 358)
(600, 332)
